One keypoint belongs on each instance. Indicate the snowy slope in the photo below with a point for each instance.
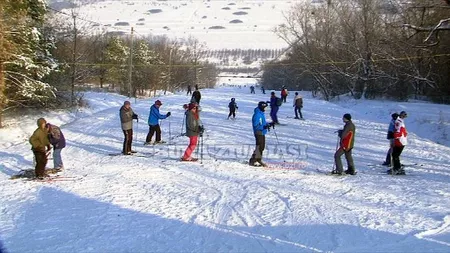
(219, 24)
(155, 203)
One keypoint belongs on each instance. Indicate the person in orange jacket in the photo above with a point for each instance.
(347, 140)
(400, 141)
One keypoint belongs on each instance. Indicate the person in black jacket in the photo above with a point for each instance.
(196, 96)
(233, 107)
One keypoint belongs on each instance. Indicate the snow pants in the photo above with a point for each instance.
(192, 145)
(348, 157)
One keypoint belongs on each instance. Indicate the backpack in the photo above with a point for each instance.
(279, 101)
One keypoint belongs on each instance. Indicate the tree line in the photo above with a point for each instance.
(367, 49)
(46, 57)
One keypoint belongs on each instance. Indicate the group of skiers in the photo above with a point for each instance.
(47, 135)
(42, 140)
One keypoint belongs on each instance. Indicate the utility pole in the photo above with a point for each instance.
(170, 70)
(74, 57)
(130, 67)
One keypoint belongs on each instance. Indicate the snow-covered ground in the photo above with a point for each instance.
(219, 24)
(156, 203)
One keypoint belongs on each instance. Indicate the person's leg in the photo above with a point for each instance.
(300, 112)
(276, 115)
(130, 140)
(190, 149)
(261, 147)
(337, 160)
(41, 162)
(57, 160)
(151, 131)
(272, 114)
(295, 110)
(229, 114)
(350, 163)
(125, 141)
(397, 150)
(158, 133)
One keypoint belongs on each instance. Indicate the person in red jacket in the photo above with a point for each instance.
(400, 141)
(347, 139)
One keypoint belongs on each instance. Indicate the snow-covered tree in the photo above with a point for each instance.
(24, 54)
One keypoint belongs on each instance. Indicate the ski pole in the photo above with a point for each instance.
(182, 124)
(201, 149)
(337, 145)
(137, 130)
(170, 132)
(278, 144)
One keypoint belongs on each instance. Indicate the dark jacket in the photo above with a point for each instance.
(56, 137)
(232, 105)
(196, 96)
(126, 118)
(192, 124)
(273, 101)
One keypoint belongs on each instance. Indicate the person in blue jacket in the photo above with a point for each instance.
(260, 128)
(153, 122)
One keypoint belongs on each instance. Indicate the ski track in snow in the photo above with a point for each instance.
(156, 203)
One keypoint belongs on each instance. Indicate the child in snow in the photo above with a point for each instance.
(58, 141)
(400, 141)
(347, 139)
(193, 130)
(40, 145)
(126, 119)
(153, 123)
(233, 107)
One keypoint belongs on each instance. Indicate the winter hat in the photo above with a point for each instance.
(394, 115)
(403, 113)
(272, 93)
(185, 106)
(347, 116)
(232, 99)
(126, 103)
(41, 121)
(157, 102)
(296, 93)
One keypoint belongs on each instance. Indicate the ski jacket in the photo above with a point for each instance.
(259, 122)
(56, 137)
(192, 124)
(39, 140)
(298, 101)
(154, 116)
(284, 92)
(400, 133)
(348, 136)
(232, 106)
(196, 96)
(391, 129)
(273, 102)
(126, 118)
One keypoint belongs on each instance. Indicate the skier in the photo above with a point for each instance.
(298, 105)
(263, 90)
(58, 141)
(193, 130)
(189, 90)
(233, 107)
(400, 141)
(40, 145)
(126, 119)
(284, 94)
(252, 89)
(153, 123)
(390, 137)
(196, 96)
(275, 103)
(260, 127)
(347, 139)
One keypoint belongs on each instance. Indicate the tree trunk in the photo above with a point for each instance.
(2, 94)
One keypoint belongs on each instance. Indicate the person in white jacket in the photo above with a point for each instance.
(298, 105)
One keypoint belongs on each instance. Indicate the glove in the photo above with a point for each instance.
(135, 116)
(201, 129)
(168, 114)
(340, 132)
